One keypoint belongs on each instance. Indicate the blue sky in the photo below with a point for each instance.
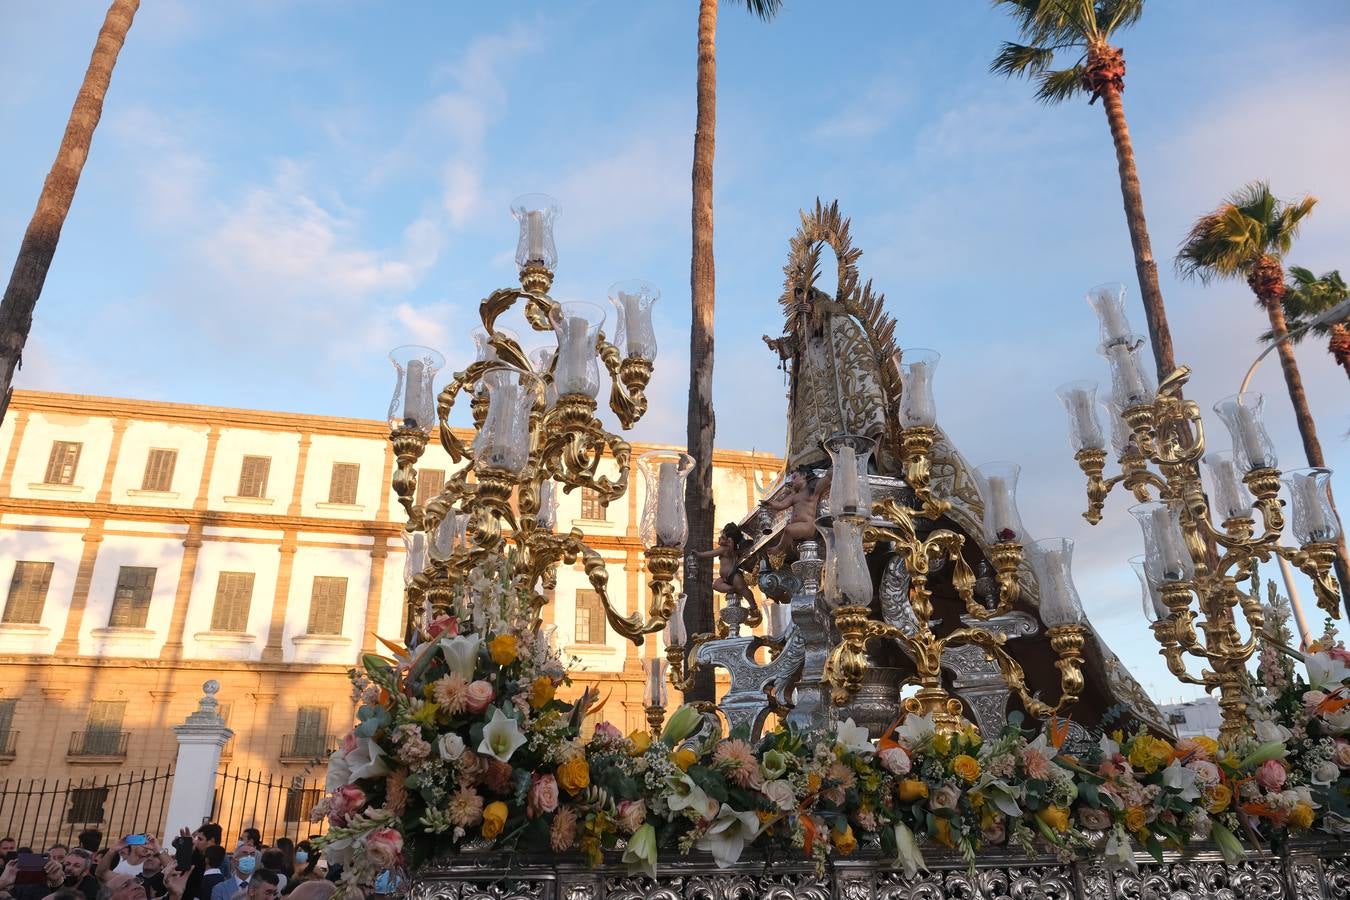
(280, 191)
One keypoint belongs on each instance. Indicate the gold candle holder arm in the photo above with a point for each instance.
(1316, 561)
(916, 444)
(409, 444)
(628, 378)
(1134, 475)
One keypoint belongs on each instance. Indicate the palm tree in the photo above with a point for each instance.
(1307, 296)
(1084, 28)
(44, 229)
(1247, 236)
(702, 283)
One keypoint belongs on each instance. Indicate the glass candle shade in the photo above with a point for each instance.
(1052, 561)
(846, 579)
(576, 370)
(547, 517)
(535, 213)
(655, 693)
(541, 361)
(1314, 520)
(504, 441)
(633, 334)
(998, 490)
(414, 402)
(1131, 381)
(1252, 446)
(663, 522)
(850, 491)
(1154, 608)
(1165, 553)
(780, 620)
(676, 633)
(483, 350)
(415, 544)
(1085, 429)
(1121, 435)
(1108, 302)
(917, 407)
(1230, 498)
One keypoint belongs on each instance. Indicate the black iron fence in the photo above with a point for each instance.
(39, 812)
(278, 806)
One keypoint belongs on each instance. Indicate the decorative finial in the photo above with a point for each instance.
(210, 687)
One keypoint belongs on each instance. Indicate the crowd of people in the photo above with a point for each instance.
(196, 866)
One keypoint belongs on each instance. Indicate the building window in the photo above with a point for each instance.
(311, 733)
(299, 801)
(590, 618)
(27, 593)
(1176, 718)
(253, 476)
(342, 484)
(326, 604)
(591, 507)
(131, 599)
(103, 729)
(159, 470)
(430, 482)
(234, 593)
(7, 707)
(86, 806)
(62, 463)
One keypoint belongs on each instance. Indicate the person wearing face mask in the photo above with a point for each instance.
(245, 864)
(307, 860)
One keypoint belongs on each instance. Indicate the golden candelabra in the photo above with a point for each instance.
(535, 427)
(1193, 568)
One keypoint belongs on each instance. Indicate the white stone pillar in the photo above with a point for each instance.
(200, 740)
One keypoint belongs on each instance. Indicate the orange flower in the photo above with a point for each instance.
(912, 789)
(502, 649)
(494, 818)
(1217, 798)
(966, 767)
(845, 842)
(1057, 817)
(541, 692)
(1135, 818)
(684, 758)
(1301, 817)
(575, 775)
(944, 832)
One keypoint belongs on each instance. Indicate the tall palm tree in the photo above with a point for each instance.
(701, 426)
(1308, 295)
(44, 229)
(1084, 28)
(1247, 236)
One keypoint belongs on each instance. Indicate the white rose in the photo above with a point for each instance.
(895, 760)
(451, 747)
(1270, 732)
(1326, 773)
(780, 794)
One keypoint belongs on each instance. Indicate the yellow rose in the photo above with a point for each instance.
(575, 775)
(1217, 798)
(1135, 818)
(494, 818)
(966, 767)
(912, 789)
(1302, 816)
(845, 842)
(1208, 745)
(684, 758)
(1057, 817)
(1150, 754)
(641, 740)
(502, 649)
(942, 743)
(541, 692)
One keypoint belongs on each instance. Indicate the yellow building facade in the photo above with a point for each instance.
(147, 547)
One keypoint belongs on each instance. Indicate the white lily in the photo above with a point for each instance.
(683, 793)
(728, 835)
(1182, 780)
(640, 853)
(501, 736)
(1325, 672)
(907, 852)
(1118, 847)
(339, 771)
(461, 654)
(854, 737)
(1109, 747)
(367, 760)
(915, 731)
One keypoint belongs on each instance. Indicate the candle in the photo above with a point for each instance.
(1229, 497)
(656, 682)
(1129, 381)
(780, 619)
(999, 514)
(499, 428)
(1114, 326)
(669, 507)
(574, 357)
(1253, 440)
(919, 409)
(1087, 429)
(412, 393)
(675, 630)
(1171, 550)
(845, 496)
(1308, 501)
(534, 235)
(641, 341)
(1054, 593)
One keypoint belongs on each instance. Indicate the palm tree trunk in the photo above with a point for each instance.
(44, 229)
(702, 285)
(1307, 428)
(1338, 345)
(1144, 266)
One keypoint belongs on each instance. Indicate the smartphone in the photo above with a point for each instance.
(182, 855)
(30, 869)
(134, 840)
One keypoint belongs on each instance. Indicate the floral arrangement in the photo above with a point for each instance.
(461, 744)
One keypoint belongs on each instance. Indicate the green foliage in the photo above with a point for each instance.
(1306, 296)
(764, 9)
(1049, 27)
(1229, 241)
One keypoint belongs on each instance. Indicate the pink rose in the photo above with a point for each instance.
(1206, 773)
(632, 813)
(349, 743)
(478, 695)
(607, 731)
(1312, 700)
(1342, 754)
(1339, 653)
(383, 847)
(895, 760)
(1271, 775)
(543, 796)
(445, 626)
(348, 799)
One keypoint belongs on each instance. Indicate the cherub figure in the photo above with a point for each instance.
(803, 500)
(731, 543)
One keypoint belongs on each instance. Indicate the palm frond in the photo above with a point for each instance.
(1115, 15)
(1219, 245)
(1021, 60)
(1307, 296)
(1056, 87)
(1288, 219)
(764, 9)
